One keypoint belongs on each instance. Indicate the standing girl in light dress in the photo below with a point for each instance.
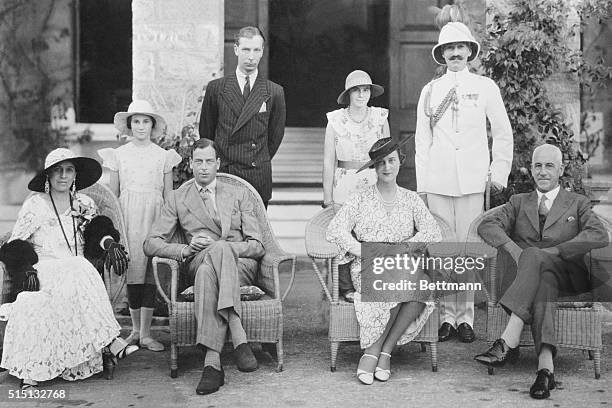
(141, 176)
(350, 133)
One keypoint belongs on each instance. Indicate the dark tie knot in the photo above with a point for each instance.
(543, 209)
(205, 194)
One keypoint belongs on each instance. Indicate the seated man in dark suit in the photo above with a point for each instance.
(547, 232)
(224, 245)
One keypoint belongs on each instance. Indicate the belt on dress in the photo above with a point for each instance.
(350, 164)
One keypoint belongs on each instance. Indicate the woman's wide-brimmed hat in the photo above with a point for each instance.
(357, 78)
(88, 170)
(388, 146)
(139, 107)
(454, 32)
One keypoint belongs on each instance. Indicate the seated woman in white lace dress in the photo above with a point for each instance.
(61, 325)
(384, 212)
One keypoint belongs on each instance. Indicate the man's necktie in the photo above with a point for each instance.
(543, 211)
(247, 89)
(207, 198)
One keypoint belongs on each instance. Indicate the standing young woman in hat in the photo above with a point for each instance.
(350, 132)
(63, 320)
(141, 176)
(384, 212)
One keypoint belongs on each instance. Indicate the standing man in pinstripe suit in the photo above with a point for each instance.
(245, 115)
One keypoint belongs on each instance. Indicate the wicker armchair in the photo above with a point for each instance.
(107, 205)
(343, 325)
(578, 318)
(262, 319)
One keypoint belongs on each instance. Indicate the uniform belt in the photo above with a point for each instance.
(350, 164)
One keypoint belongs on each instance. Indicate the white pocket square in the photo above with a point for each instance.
(570, 219)
(263, 108)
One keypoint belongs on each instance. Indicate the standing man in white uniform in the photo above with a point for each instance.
(452, 155)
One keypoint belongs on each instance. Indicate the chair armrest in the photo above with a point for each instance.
(269, 273)
(275, 258)
(601, 254)
(174, 269)
(444, 249)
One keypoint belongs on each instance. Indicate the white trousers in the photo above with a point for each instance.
(458, 212)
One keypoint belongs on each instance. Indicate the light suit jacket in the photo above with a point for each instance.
(185, 209)
(570, 226)
(453, 158)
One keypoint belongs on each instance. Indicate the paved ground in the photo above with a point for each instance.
(143, 379)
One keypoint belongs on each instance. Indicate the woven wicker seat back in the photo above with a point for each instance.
(262, 319)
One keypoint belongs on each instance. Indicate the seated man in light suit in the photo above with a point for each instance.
(547, 232)
(224, 245)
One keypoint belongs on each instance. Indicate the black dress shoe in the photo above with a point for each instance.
(211, 380)
(545, 381)
(498, 354)
(466, 333)
(446, 332)
(270, 348)
(245, 359)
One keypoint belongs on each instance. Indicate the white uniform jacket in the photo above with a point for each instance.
(453, 158)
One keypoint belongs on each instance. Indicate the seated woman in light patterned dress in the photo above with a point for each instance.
(62, 325)
(384, 212)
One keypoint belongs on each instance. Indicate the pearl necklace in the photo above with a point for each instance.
(385, 202)
(355, 120)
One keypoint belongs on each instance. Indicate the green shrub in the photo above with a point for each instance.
(523, 49)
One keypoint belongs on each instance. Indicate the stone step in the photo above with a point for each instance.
(293, 245)
(289, 229)
(292, 212)
(296, 195)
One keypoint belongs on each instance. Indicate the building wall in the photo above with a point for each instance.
(177, 50)
(35, 71)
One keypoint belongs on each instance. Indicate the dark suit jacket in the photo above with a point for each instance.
(247, 135)
(184, 208)
(570, 226)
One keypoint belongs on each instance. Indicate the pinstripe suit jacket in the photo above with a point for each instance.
(247, 134)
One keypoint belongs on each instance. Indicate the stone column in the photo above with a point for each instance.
(177, 50)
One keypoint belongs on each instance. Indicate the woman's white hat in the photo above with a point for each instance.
(139, 107)
(88, 170)
(358, 78)
(452, 33)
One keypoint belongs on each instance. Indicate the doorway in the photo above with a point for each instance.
(314, 45)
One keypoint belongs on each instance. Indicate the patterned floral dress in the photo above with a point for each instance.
(353, 141)
(61, 329)
(364, 214)
(141, 181)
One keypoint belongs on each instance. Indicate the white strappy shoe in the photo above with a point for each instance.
(382, 374)
(366, 377)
